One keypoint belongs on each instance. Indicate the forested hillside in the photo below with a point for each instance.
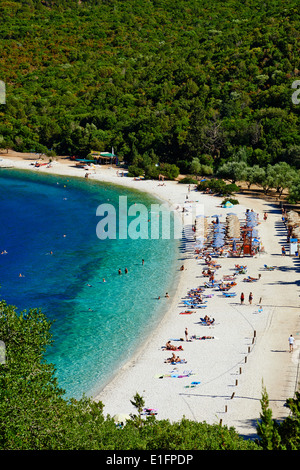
(157, 80)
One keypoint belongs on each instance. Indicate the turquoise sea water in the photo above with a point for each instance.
(98, 325)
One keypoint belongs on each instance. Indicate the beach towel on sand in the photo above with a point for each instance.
(175, 375)
(193, 384)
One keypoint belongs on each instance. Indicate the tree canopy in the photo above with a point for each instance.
(179, 79)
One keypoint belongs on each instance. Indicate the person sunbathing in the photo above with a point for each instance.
(174, 359)
(208, 321)
(171, 359)
(171, 347)
(179, 360)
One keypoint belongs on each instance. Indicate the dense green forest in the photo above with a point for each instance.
(201, 86)
(35, 415)
(157, 80)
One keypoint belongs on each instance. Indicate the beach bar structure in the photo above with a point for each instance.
(247, 240)
(293, 226)
(104, 158)
(250, 241)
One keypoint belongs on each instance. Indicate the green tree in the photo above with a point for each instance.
(233, 171)
(138, 402)
(290, 427)
(294, 191)
(280, 176)
(195, 166)
(255, 175)
(33, 411)
(267, 428)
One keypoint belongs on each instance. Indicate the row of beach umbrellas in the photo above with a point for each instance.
(233, 228)
(293, 222)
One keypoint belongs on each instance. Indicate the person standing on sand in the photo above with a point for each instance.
(186, 334)
(250, 298)
(291, 343)
(242, 298)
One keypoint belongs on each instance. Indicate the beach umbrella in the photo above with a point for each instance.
(218, 243)
(121, 418)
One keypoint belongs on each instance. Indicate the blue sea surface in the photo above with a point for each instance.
(48, 229)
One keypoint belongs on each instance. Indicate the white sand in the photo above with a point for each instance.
(249, 348)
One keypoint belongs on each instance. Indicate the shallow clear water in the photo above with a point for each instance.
(98, 325)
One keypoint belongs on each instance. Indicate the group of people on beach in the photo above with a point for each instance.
(195, 296)
(243, 298)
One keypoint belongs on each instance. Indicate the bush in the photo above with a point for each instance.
(231, 188)
(170, 171)
(217, 186)
(233, 201)
(151, 172)
(135, 171)
(188, 180)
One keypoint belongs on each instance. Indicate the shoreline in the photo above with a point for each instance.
(235, 361)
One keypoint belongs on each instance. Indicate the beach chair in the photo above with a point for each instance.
(149, 411)
(229, 294)
(250, 279)
(269, 268)
(238, 267)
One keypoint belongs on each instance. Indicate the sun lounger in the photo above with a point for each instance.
(149, 411)
(269, 268)
(202, 337)
(229, 294)
(207, 322)
(193, 384)
(250, 279)
(238, 267)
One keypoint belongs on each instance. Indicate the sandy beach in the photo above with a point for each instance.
(248, 345)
